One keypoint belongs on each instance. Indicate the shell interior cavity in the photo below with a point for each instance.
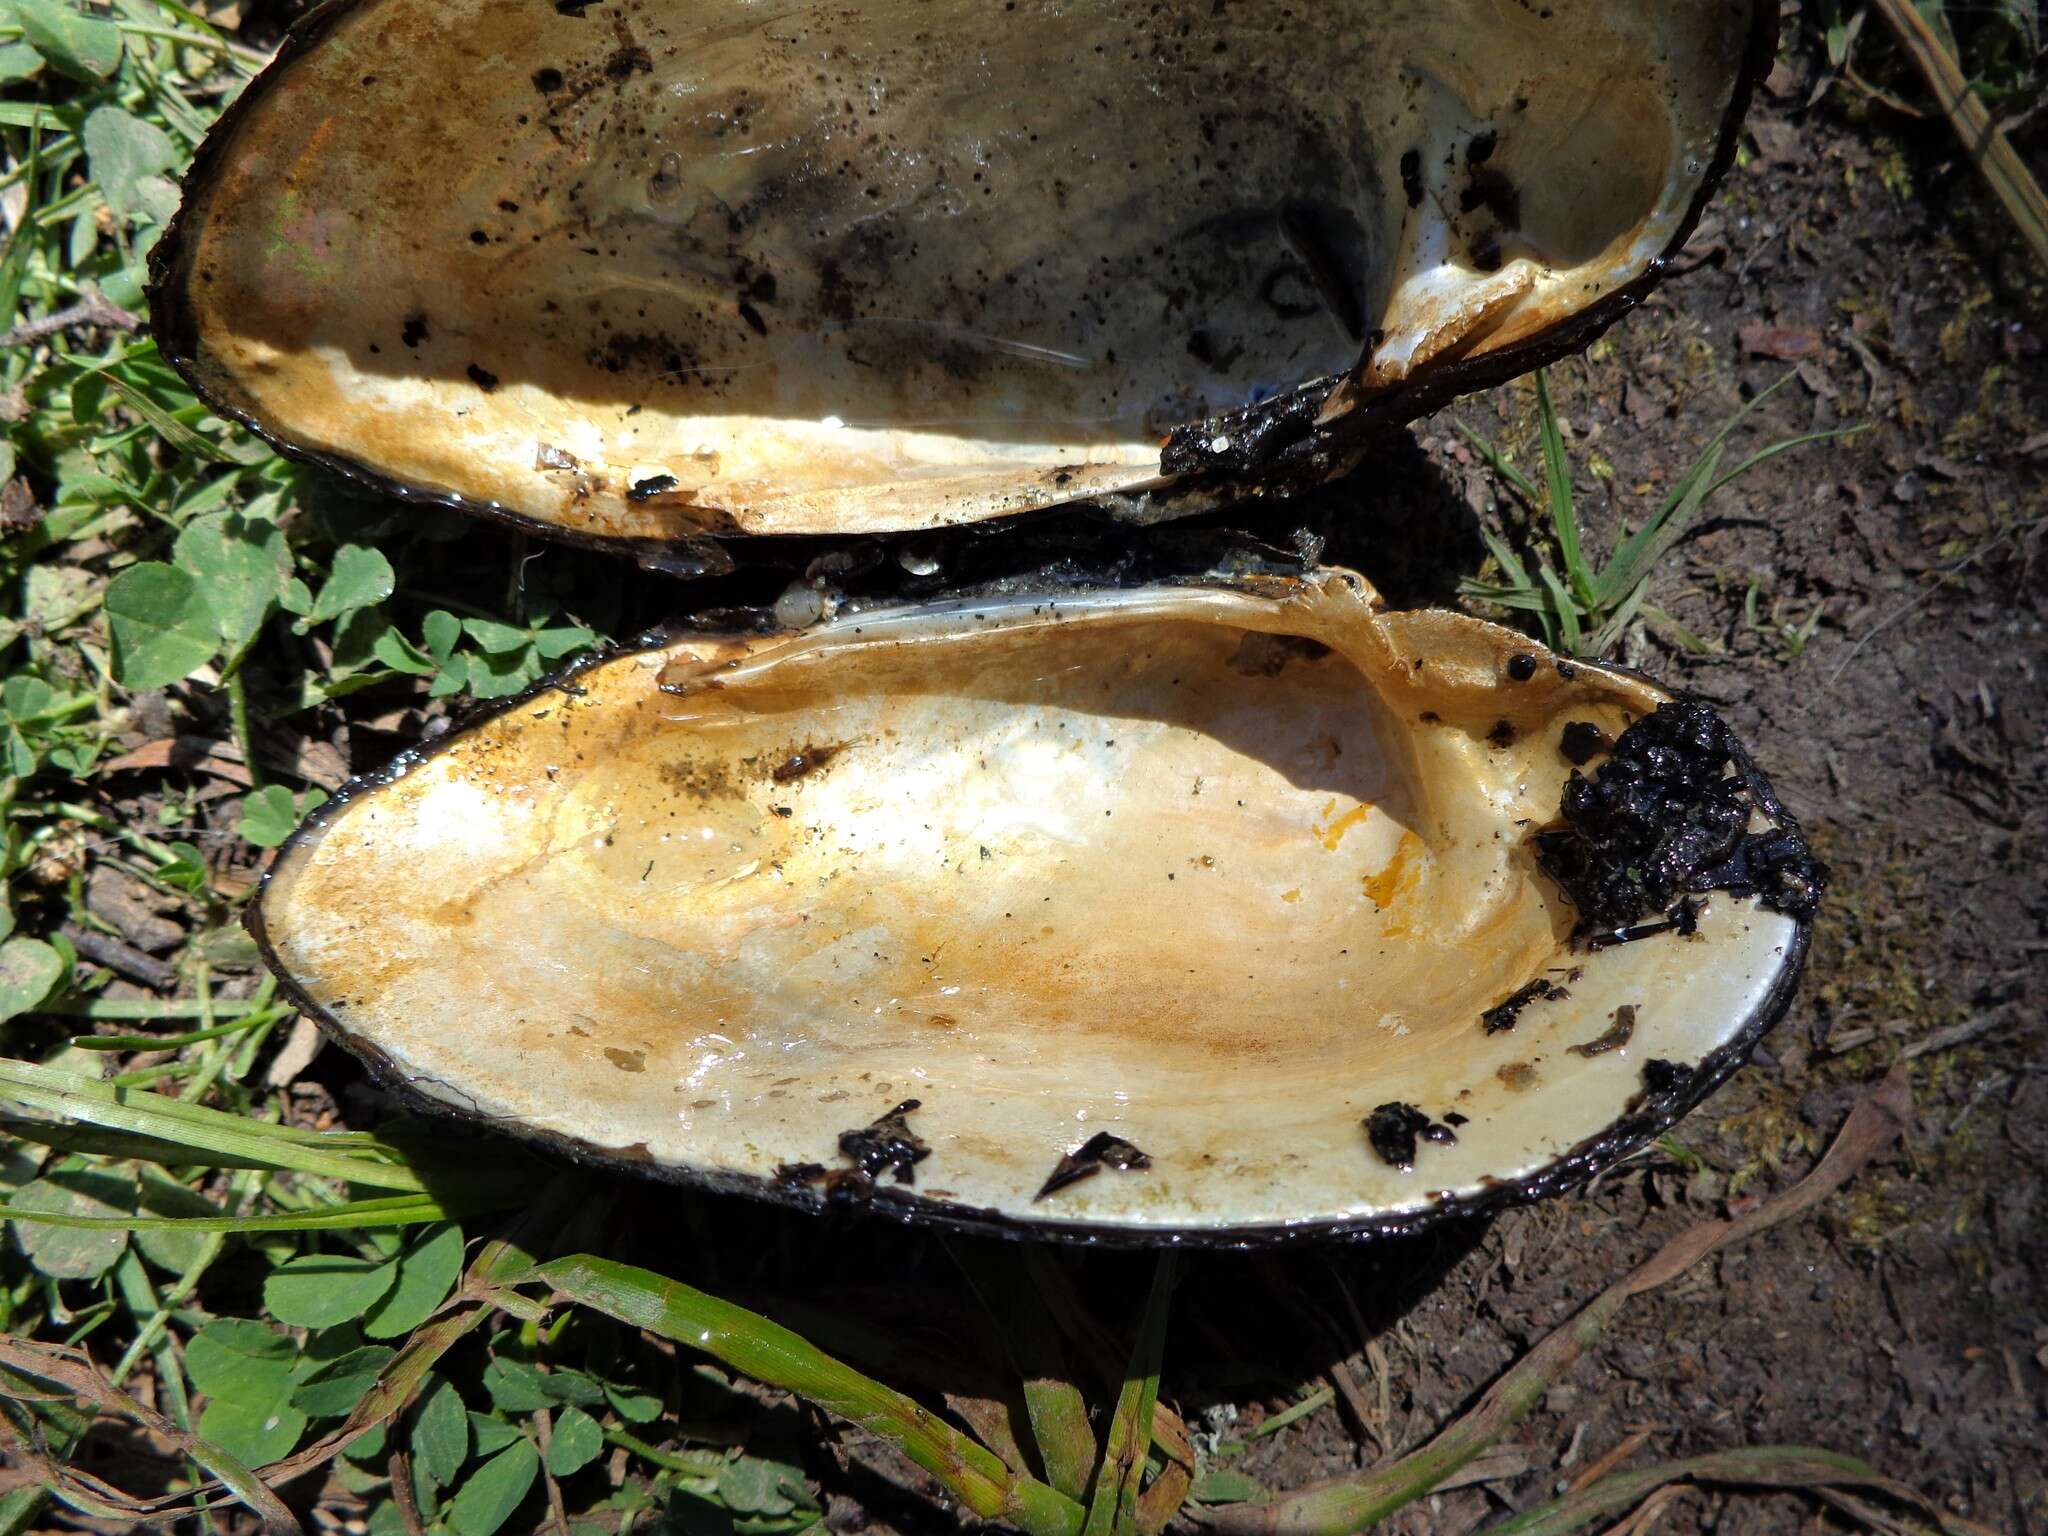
(656, 269)
(1210, 912)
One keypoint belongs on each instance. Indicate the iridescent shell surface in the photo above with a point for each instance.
(1224, 874)
(651, 269)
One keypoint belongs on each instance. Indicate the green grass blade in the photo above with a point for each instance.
(1498, 463)
(14, 259)
(1564, 613)
(1699, 470)
(117, 1144)
(194, 445)
(1557, 486)
(131, 1010)
(394, 1212)
(1669, 629)
(1749, 405)
(1518, 591)
(1630, 567)
(1111, 1506)
(1504, 556)
(1603, 639)
(1699, 483)
(1287, 1416)
(15, 1072)
(1523, 600)
(1777, 448)
(173, 1042)
(18, 1511)
(1611, 589)
(27, 114)
(141, 1113)
(1060, 1430)
(770, 1353)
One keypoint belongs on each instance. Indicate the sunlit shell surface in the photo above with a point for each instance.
(647, 268)
(1210, 873)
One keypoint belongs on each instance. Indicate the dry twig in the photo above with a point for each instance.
(1353, 1504)
(72, 1371)
(93, 308)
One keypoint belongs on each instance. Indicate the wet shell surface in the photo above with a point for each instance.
(1189, 912)
(649, 269)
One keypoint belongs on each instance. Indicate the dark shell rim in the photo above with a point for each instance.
(1647, 1117)
(173, 323)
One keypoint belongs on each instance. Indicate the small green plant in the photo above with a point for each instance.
(1579, 606)
(486, 656)
(269, 814)
(1787, 637)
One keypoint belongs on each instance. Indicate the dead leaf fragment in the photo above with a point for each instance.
(1788, 344)
(18, 506)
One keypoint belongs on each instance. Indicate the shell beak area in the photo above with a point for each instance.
(658, 270)
(1211, 913)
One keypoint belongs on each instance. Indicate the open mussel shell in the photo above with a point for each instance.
(1211, 912)
(652, 270)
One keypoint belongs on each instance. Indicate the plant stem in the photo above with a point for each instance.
(255, 58)
(154, 1074)
(683, 1464)
(209, 1248)
(1111, 1505)
(1287, 1416)
(1764, 1466)
(100, 822)
(138, 1009)
(175, 1042)
(1983, 140)
(238, 722)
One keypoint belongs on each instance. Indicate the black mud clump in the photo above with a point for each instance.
(1666, 1077)
(842, 1186)
(889, 1145)
(1501, 1017)
(1666, 817)
(652, 486)
(1245, 441)
(1583, 741)
(1102, 1150)
(1411, 177)
(1394, 1129)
